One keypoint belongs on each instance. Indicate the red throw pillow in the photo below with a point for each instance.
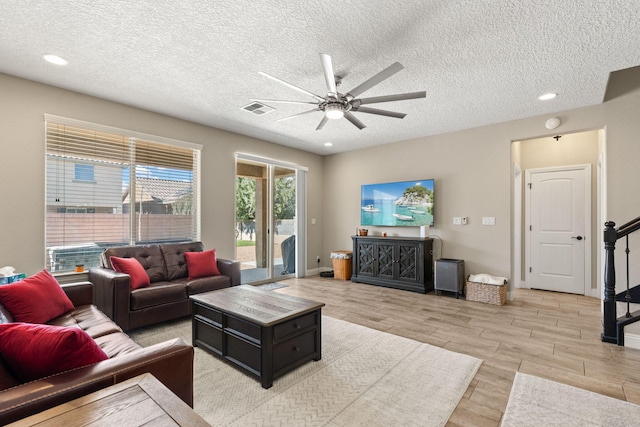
(36, 299)
(202, 264)
(132, 267)
(37, 351)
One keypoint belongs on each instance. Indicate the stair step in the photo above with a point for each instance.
(634, 294)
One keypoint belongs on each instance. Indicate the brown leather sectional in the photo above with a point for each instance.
(168, 296)
(171, 362)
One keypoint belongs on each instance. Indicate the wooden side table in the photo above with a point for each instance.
(142, 400)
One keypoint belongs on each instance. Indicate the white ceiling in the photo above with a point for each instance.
(480, 62)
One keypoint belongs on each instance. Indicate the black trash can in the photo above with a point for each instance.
(449, 276)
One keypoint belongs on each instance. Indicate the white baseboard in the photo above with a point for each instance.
(316, 271)
(632, 340)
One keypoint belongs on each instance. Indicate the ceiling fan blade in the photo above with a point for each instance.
(324, 120)
(299, 114)
(292, 86)
(329, 76)
(389, 98)
(282, 101)
(357, 123)
(379, 112)
(378, 78)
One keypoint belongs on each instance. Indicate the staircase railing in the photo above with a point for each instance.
(614, 326)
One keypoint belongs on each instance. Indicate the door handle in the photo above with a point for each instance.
(577, 237)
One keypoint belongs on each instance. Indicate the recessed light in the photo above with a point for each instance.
(55, 59)
(547, 96)
(328, 144)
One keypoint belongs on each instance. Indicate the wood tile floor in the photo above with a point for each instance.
(547, 334)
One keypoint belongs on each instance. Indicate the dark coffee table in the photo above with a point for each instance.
(265, 333)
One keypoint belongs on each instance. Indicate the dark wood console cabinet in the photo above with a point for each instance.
(396, 262)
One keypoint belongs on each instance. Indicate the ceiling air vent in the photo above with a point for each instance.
(257, 108)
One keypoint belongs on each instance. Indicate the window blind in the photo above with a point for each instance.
(107, 187)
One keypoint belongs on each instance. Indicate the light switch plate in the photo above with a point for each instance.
(457, 220)
(488, 220)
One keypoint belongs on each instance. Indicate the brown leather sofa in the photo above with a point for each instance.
(171, 362)
(168, 296)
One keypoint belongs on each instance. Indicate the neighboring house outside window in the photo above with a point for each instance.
(95, 174)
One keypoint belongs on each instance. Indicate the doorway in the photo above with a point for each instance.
(555, 153)
(268, 196)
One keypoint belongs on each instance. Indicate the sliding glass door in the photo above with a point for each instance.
(266, 220)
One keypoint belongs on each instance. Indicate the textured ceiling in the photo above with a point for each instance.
(480, 62)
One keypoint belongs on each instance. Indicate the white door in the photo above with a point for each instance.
(558, 208)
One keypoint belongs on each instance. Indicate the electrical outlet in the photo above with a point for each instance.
(464, 220)
(318, 259)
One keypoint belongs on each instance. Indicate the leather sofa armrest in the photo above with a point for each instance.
(171, 362)
(112, 293)
(230, 268)
(80, 293)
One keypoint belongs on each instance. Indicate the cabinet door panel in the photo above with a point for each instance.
(385, 260)
(365, 259)
(408, 259)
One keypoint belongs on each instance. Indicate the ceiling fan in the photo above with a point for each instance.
(336, 105)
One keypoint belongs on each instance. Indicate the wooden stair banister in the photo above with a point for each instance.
(613, 328)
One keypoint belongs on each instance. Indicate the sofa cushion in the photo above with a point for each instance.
(5, 315)
(157, 294)
(89, 319)
(7, 379)
(37, 351)
(175, 260)
(117, 344)
(132, 267)
(36, 299)
(202, 264)
(149, 256)
(207, 284)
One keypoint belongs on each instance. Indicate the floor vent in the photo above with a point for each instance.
(257, 108)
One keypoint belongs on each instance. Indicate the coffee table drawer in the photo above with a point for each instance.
(294, 326)
(295, 349)
(243, 328)
(209, 313)
(245, 353)
(208, 335)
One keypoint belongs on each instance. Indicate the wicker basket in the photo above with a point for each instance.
(481, 292)
(342, 264)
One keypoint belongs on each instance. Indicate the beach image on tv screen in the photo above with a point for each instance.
(407, 203)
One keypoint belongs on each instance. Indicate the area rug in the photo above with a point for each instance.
(536, 401)
(365, 378)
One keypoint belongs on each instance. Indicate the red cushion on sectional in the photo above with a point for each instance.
(37, 351)
(36, 299)
(202, 264)
(132, 267)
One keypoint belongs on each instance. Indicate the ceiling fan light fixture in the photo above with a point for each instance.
(334, 111)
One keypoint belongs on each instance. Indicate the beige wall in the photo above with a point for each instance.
(472, 169)
(22, 105)
(473, 173)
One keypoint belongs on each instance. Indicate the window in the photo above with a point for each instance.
(83, 172)
(144, 189)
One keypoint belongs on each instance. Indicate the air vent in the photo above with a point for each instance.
(257, 108)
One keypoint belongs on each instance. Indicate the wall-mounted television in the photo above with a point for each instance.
(398, 204)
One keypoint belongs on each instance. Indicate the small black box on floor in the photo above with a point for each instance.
(449, 276)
